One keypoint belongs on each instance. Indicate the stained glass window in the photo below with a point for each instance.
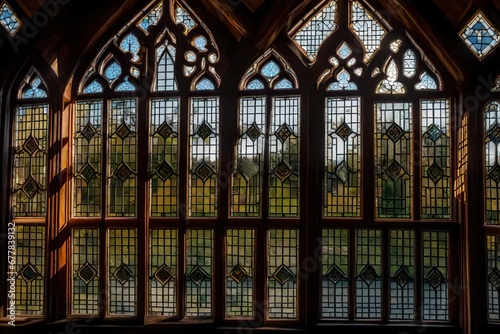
(199, 273)
(247, 183)
(435, 262)
(492, 162)
(393, 159)
(30, 161)
(122, 271)
(122, 179)
(240, 250)
(342, 188)
(191, 204)
(335, 274)
(164, 164)
(87, 159)
(85, 271)
(435, 181)
(402, 281)
(284, 150)
(8, 19)
(368, 274)
(152, 18)
(163, 252)
(310, 36)
(283, 249)
(493, 275)
(368, 30)
(480, 36)
(30, 268)
(204, 152)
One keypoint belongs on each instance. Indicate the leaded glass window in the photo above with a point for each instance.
(194, 198)
(492, 162)
(8, 19)
(269, 123)
(480, 35)
(493, 275)
(29, 191)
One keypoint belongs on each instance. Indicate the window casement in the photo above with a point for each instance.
(29, 190)
(325, 183)
(491, 122)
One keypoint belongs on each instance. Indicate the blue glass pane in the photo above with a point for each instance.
(113, 71)
(255, 84)
(270, 69)
(93, 87)
(131, 44)
(284, 84)
(125, 86)
(205, 84)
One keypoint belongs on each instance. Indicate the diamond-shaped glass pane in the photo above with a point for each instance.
(435, 277)
(123, 131)
(123, 274)
(123, 171)
(284, 132)
(238, 273)
(342, 172)
(283, 274)
(30, 145)
(435, 173)
(30, 187)
(204, 130)
(494, 134)
(335, 274)
(494, 278)
(402, 276)
(89, 131)
(253, 132)
(86, 273)
(434, 132)
(164, 171)
(480, 36)
(343, 131)
(494, 173)
(29, 272)
(164, 274)
(164, 130)
(198, 275)
(368, 274)
(88, 172)
(395, 132)
(204, 171)
(344, 51)
(282, 171)
(394, 170)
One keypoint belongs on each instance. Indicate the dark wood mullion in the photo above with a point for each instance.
(227, 118)
(261, 254)
(103, 246)
(313, 194)
(184, 158)
(368, 118)
(142, 132)
(417, 145)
